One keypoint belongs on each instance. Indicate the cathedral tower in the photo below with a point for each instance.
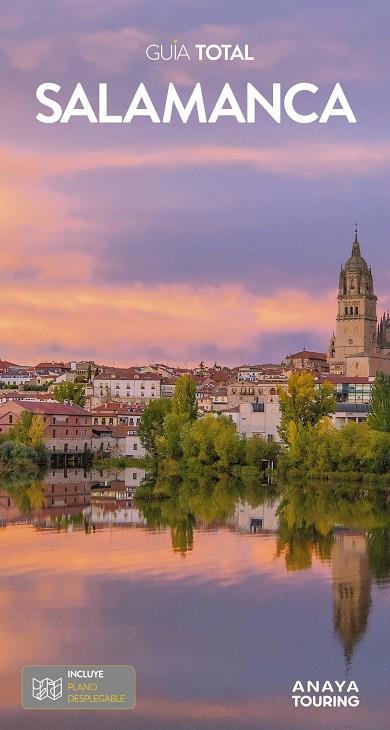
(356, 324)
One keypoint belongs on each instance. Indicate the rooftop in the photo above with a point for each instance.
(310, 354)
(53, 408)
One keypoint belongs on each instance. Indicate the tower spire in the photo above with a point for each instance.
(356, 245)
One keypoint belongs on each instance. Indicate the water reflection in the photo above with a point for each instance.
(73, 498)
(348, 526)
(351, 580)
(340, 532)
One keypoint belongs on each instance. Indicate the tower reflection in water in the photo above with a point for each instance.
(351, 579)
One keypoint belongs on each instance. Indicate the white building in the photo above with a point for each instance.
(132, 388)
(133, 445)
(67, 377)
(256, 419)
(350, 413)
(256, 519)
(134, 476)
(117, 441)
(14, 379)
(168, 387)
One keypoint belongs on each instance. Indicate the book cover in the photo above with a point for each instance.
(194, 365)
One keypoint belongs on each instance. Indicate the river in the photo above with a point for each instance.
(220, 600)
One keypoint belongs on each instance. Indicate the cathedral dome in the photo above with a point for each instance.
(356, 263)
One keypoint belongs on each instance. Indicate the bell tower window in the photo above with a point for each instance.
(345, 310)
(356, 310)
(351, 310)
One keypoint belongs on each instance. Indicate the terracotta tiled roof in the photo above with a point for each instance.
(117, 409)
(122, 430)
(26, 395)
(5, 364)
(310, 354)
(51, 365)
(101, 429)
(343, 379)
(53, 408)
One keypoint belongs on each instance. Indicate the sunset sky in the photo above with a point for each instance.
(142, 242)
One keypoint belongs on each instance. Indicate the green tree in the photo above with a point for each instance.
(68, 391)
(304, 403)
(170, 443)
(212, 439)
(258, 451)
(379, 418)
(150, 426)
(184, 398)
(37, 431)
(20, 431)
(29, 429)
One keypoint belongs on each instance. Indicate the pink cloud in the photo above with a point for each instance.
(172, 317)
(26, 55)
(112, 50)
(298, 160)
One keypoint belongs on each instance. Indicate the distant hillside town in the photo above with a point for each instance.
(115, 397)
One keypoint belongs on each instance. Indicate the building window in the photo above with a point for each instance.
(9, 419)
(356, 310)
(135, 447)
(351, 310)
(134, 475)
(54, 433)
(345, 310)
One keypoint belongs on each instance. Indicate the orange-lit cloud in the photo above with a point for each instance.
(124, 321)
(62, 308)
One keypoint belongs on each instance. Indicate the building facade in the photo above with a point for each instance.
(253, 392)
(256, 419)
(127, 388)
(68, 429)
